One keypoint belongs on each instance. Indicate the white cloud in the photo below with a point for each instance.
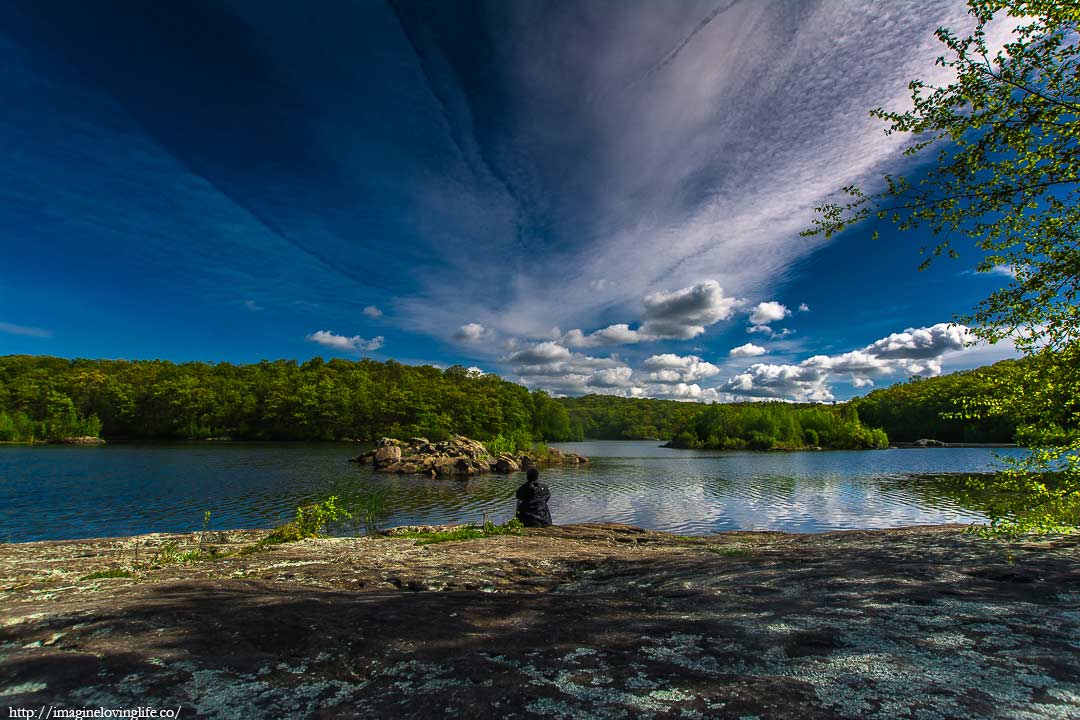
(768, 312)
(611, 377)
(13, 329)
(915, 351)
(551, 366)
(803, 307)
(472, 332)
(372, 312)
(678, 315)
(674, 186)
(927, 342)
(355, 343)
(747, 350)
(782, 382)
(619, 334)
(768, 331)
(670, 369)
(253, 306)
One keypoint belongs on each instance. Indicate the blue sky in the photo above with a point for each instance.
(583, 196)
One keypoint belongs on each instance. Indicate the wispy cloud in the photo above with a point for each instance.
(13, 329)
(644, 163)
(372, 312)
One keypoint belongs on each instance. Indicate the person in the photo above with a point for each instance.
(532, 497)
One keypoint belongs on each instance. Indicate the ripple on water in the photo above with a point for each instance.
(65, 492)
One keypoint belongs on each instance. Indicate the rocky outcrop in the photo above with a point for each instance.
(458, 456)
(83, 440)
(928, 443)
(583, 621)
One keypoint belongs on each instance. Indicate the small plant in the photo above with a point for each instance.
(465, 532)
(732, 551)
(372, 511)
(310, 519)
(205, 526)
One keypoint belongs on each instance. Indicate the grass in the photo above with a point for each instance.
(732, 551)
(465, 532)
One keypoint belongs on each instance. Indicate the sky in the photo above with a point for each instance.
(582, 196)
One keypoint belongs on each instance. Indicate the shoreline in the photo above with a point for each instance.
(592, 620)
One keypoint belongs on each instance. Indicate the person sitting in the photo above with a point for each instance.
(532, 497)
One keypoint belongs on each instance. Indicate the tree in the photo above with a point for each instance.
(1006, 175)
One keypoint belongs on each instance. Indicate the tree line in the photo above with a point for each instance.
(49, 398)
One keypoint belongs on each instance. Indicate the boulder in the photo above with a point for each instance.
(386, 455)
(83, 440)
(928, 443)
(505, 464)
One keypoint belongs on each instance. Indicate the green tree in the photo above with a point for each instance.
(1005, 175)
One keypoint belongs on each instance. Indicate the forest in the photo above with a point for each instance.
(933, 407)
(47, 398)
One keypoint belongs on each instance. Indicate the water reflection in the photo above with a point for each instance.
(67, 492)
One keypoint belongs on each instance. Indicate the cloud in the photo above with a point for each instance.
(684, 314)
(550, 366)
(253, 306)
(803, 307)
(619, 334)
(672, 369)
(355, 343)
(915, 351)
(768, 331)
(611, 377)
(781, 382)
(13, 329)
(679, 315)
(473, 333)
(372, 312)
(768, 312)
(657, 144)
(925, 342)
(747, 350)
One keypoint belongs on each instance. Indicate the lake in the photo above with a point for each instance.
(63, 492)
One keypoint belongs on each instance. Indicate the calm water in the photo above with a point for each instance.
(59, 492)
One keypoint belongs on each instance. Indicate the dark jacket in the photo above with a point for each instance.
(532, 507)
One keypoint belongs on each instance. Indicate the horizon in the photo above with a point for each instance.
(584, 198)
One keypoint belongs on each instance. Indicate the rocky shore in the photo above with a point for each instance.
(456, 456)
(587, 621)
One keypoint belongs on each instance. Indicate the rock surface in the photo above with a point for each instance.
(83, 440)
(587, 621)
(456, 456)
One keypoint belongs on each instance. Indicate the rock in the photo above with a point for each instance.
(459, 455)
(928, 443)
(83, 440)
(386, 455)
(505, 464)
